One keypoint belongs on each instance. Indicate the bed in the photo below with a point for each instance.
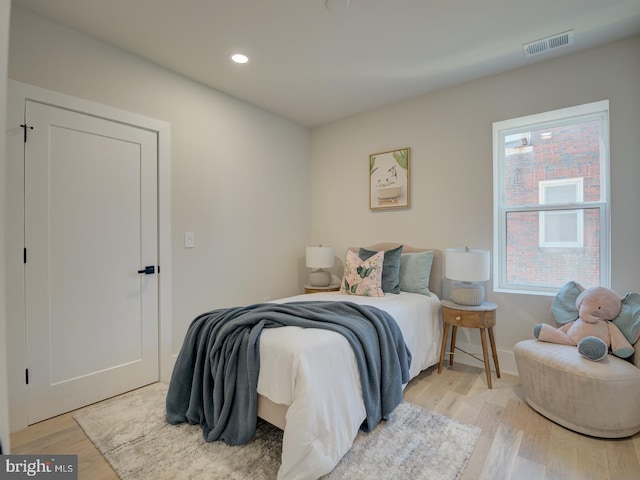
(308, 382)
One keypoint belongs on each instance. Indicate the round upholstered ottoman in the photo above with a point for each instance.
(601, 399)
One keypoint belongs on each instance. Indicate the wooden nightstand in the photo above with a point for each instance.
(481, 316)
(330, 288)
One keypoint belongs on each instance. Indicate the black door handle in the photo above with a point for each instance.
(148, 270)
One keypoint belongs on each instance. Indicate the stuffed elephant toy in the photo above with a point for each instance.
(593, 332)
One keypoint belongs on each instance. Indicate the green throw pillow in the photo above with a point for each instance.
(390, 268)
(415, 269)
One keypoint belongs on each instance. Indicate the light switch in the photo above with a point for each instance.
(189, 240)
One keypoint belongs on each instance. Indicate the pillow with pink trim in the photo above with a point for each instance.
(363, 277)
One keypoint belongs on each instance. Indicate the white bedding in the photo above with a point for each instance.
(314, 373)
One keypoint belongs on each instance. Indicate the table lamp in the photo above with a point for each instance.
(465, 266)
(320, 258)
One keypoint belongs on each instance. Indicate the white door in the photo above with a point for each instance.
(90, 226)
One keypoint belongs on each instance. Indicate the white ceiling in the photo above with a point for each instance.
(313, 64)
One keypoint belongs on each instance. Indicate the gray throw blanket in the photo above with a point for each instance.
(215, 378)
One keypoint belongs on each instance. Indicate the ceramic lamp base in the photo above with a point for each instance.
(320, 278)
(467, 293)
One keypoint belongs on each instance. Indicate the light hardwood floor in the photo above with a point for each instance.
(516, 442)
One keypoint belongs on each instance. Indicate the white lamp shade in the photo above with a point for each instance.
(467, 265)
(320, 257)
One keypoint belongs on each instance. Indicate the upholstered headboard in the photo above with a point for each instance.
(436, 276)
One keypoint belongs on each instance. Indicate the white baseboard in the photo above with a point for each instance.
(506, 358)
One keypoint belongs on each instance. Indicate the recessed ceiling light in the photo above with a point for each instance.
(337, 5)
(239, 58)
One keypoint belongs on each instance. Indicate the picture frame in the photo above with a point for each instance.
(389, 180)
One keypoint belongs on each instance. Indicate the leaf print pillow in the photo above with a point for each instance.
(363, 277)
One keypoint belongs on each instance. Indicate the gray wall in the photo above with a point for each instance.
(5, 6)
(450, 136)
(240, 175)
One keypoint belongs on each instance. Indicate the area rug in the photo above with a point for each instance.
(133, 436)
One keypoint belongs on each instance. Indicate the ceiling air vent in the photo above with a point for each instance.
(549, 43)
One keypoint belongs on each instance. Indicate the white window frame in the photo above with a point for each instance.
(543, 186)
(591, 111)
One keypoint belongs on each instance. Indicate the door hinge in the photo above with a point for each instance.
(26, 127)
(26, 376)
(24, 255)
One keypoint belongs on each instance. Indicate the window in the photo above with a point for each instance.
(561, 228)
(551, 200)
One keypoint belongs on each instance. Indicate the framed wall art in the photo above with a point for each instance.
(389, 180)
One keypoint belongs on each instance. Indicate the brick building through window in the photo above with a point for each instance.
(545, 172)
